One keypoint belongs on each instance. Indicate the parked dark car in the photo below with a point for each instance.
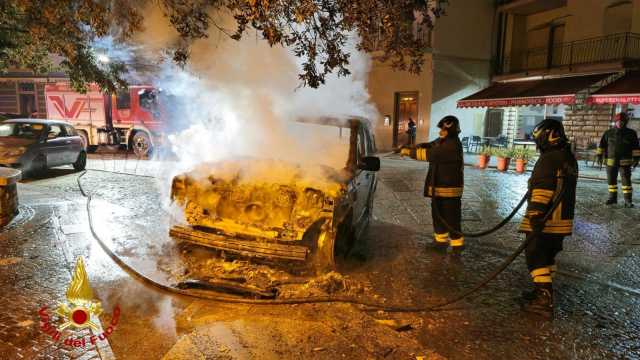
(272, 209)
(34, 145)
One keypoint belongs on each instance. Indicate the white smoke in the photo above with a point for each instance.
(239, 98)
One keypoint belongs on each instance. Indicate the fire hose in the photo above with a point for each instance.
(306, 300)
(502, 223)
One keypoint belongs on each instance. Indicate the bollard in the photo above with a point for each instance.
(8, 194)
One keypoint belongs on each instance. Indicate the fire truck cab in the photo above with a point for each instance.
(129, 118)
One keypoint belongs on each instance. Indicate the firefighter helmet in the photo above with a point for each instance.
(549, 133)
(451, 124)
(623, 118)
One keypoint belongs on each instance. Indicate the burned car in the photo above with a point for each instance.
(283, 211)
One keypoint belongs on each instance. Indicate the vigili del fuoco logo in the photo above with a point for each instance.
(80, 311)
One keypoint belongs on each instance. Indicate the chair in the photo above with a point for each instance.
(500, 141)
(465, 144)
(475, 142)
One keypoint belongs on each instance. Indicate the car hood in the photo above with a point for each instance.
(259, 198)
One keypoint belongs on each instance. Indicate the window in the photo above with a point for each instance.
(148, 100)
(26, 87)
(21, 130)
(123, 100)
(362, 145)
(57, 130)
(70, 130)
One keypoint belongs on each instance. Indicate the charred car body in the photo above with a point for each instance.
(276, 210)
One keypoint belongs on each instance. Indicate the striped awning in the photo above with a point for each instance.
(531, 92)
(625, 90)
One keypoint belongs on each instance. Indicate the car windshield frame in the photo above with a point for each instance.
(19, 130)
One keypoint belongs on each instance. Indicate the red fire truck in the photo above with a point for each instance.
(129, 118)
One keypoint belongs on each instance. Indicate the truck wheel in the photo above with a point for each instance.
(81, 161)
(142, 145)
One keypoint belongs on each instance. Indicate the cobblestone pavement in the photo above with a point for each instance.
(597, 298)
(35, 271)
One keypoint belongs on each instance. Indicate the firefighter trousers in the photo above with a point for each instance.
(541, 254)
(449, 209)
(612, 180)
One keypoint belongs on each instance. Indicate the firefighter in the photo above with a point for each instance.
(555, 169)
(444, 184)
(619, 146)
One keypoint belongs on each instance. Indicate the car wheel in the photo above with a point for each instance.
(324, 257)
(331, 245)
(142, 145)
(39, 166)
(81, 161)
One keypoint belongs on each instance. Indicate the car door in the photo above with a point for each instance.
(55, 145)
(371, 176)
(362, 179)
(74, 144)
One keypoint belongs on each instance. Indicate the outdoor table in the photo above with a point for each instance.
(8, 194)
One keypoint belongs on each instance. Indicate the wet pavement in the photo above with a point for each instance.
(597, 300)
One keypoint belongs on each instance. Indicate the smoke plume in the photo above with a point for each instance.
(241, 98)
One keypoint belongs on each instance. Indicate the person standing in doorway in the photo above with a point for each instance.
(411, 131)
(620, 149)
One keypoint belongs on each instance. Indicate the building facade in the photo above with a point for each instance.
(22, 93)
(458, 64)
(552, 58)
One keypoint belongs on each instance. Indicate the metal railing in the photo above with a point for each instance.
(616, 47)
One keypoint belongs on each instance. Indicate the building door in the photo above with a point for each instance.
(556, 38)
(493, 122)
(27, 99)
(406, 107)
(28, 105)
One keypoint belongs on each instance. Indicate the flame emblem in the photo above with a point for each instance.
(80, 305)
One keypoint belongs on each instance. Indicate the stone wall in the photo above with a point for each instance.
(586, 124)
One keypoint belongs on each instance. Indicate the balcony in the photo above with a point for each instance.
(616, 48)
(528, 7)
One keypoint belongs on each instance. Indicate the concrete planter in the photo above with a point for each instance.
(8, 194)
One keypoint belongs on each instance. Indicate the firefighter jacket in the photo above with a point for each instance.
(619, 146)
(554, 169)
(444, 155)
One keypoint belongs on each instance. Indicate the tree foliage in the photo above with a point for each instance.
(316, 30)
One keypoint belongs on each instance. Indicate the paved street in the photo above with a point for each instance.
(598, 296)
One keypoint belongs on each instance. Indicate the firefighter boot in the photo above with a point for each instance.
(457, 246)
(613, 197)
(440, 243)
(541, 301)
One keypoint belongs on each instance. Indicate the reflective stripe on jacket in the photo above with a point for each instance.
(619, 147)
(445, 154)
(554, 169)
